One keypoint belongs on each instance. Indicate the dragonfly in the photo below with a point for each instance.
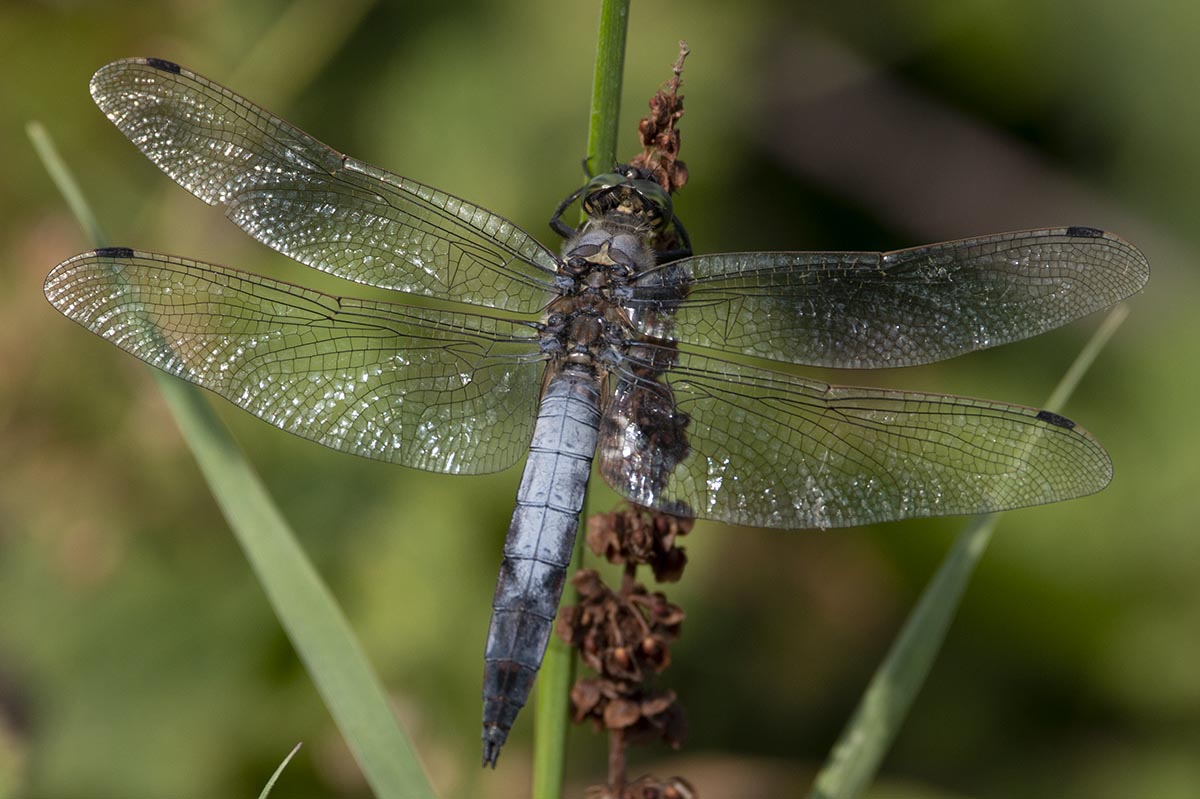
(607, 352)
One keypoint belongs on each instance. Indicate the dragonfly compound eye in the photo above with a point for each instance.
(633, 196)
(656, 203)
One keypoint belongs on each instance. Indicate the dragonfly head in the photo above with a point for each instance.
(630, 192)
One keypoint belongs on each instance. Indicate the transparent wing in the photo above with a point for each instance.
(871, 310)
(445, 392)
(306, 200)
(753, 447)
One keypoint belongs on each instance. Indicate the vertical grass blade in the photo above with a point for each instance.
(854, 760)
(313, 621)
(552, 703)
(64, 181)
(294, 50)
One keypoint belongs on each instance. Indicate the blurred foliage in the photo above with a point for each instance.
(138, 657)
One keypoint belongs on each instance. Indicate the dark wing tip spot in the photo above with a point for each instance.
(1056, 420)
(114, 252)
(163, 64)
(1084, 232)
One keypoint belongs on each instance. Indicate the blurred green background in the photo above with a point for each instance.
(138, 657)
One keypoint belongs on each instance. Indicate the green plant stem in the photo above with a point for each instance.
(606, 86)
(854, 760)
(313, 621)
(551, 719)
(552, 708)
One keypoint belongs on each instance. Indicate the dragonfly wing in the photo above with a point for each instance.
(310, 202)
(873, 310)
(696, 436)
(434, 390)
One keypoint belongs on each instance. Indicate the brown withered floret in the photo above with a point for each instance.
(649, 788)
(620, 635)
(659, 134)
(654, 788)
(636, 537)
(623, 636)
(638, 713)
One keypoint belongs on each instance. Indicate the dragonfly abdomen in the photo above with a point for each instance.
(538, 548)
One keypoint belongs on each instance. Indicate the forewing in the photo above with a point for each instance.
(748, 446)
(872, 310)
(441, 391)
(310, 202)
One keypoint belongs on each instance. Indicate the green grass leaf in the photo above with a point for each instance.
(266, 791)
(312, 619)
(854, 760)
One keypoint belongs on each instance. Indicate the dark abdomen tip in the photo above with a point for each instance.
(163, 64)
(493, 742)
(1084, 232)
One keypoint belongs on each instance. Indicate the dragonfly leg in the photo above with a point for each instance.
(556, 224)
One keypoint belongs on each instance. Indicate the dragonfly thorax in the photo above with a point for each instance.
(583, 334)
(585, 324)
(604, 256)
